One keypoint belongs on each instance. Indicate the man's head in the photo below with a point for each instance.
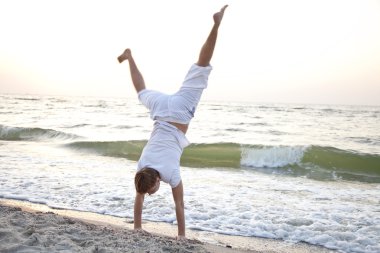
(147, 180)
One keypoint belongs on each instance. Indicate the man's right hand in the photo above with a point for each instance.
(181, 238)
(141, 231)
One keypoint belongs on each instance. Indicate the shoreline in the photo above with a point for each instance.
(160, 238)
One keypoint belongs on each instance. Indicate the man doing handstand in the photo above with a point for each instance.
(160, 159)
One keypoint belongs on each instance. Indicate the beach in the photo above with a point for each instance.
(259, 177)
(28, 227)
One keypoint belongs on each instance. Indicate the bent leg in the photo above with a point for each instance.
(137, 78)
(208, 47)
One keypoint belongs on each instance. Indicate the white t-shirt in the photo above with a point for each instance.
(163, 152)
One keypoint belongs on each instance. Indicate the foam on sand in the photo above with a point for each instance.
(27, 227)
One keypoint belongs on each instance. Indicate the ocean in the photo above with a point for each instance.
(294, 172)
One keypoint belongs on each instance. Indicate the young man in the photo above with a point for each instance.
(160, 159)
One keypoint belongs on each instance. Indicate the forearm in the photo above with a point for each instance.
(137, 217)
(180, 213)
(179, 208)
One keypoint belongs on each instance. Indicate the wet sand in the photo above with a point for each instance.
(29, 227)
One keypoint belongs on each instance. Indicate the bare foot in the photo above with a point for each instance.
(219, 15)
(125, 55)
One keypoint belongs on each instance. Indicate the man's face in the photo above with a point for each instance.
(154, 188)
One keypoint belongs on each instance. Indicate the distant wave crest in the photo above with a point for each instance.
(8, 133)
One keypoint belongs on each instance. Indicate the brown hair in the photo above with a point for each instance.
(145, 179)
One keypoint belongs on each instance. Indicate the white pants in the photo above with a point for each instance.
(179, 107)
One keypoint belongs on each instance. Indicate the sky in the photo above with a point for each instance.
(272, 51)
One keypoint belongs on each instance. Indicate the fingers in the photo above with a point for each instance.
(181, 238)
(141, 231)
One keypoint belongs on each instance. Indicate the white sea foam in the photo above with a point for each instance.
(272, 157)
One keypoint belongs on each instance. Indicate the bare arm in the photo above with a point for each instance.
(137, 78)
(179, 209)
(139, 200)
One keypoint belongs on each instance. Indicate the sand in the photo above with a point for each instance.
(28, 227)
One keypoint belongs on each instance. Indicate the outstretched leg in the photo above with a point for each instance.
(208, 47)
(137, 78)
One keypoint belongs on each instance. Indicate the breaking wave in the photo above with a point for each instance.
(8, 133)
(316, 162)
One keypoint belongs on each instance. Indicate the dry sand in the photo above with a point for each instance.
(28, 227)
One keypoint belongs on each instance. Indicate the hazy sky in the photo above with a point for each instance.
(322, 51)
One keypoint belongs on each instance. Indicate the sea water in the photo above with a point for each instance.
(308, 173)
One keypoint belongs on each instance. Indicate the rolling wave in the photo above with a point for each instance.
(8, 133)
(316, 162)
